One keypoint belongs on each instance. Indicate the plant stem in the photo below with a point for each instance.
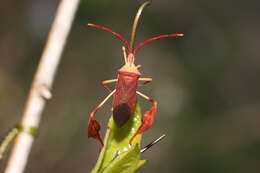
(135, 24)
(42, 83)
(7, 140)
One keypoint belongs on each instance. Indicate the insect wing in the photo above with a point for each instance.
(124, 98)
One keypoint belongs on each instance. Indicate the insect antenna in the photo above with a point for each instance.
(155, 38)
(138, 14)
(153, 143)
(114, 33)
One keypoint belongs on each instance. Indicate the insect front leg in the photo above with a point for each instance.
(148, 117)
(93, 125)
(107, 82)
(146, 81)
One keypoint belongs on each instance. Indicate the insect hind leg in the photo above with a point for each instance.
(148, 117)
(93, 125)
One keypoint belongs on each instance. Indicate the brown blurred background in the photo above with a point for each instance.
(207, 83)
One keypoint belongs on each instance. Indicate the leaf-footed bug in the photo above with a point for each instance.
(126, 85)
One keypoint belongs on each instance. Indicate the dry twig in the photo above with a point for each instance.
(42, 83)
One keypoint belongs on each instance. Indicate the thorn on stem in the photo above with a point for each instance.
(153, 143)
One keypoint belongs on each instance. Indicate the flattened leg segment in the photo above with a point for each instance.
(148, 117)
(93, 130)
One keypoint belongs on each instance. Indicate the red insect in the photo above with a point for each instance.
(126, 89)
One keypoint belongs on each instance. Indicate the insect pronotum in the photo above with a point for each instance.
(127, 82)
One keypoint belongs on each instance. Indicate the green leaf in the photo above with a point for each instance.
(117, 155)
(125, 162)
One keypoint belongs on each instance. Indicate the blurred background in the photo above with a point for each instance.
(207, 83)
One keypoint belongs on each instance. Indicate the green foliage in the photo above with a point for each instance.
(117, 155)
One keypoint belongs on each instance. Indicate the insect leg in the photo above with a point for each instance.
(148, 117)
(107, 82)
(93, 125)
(146, 81)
